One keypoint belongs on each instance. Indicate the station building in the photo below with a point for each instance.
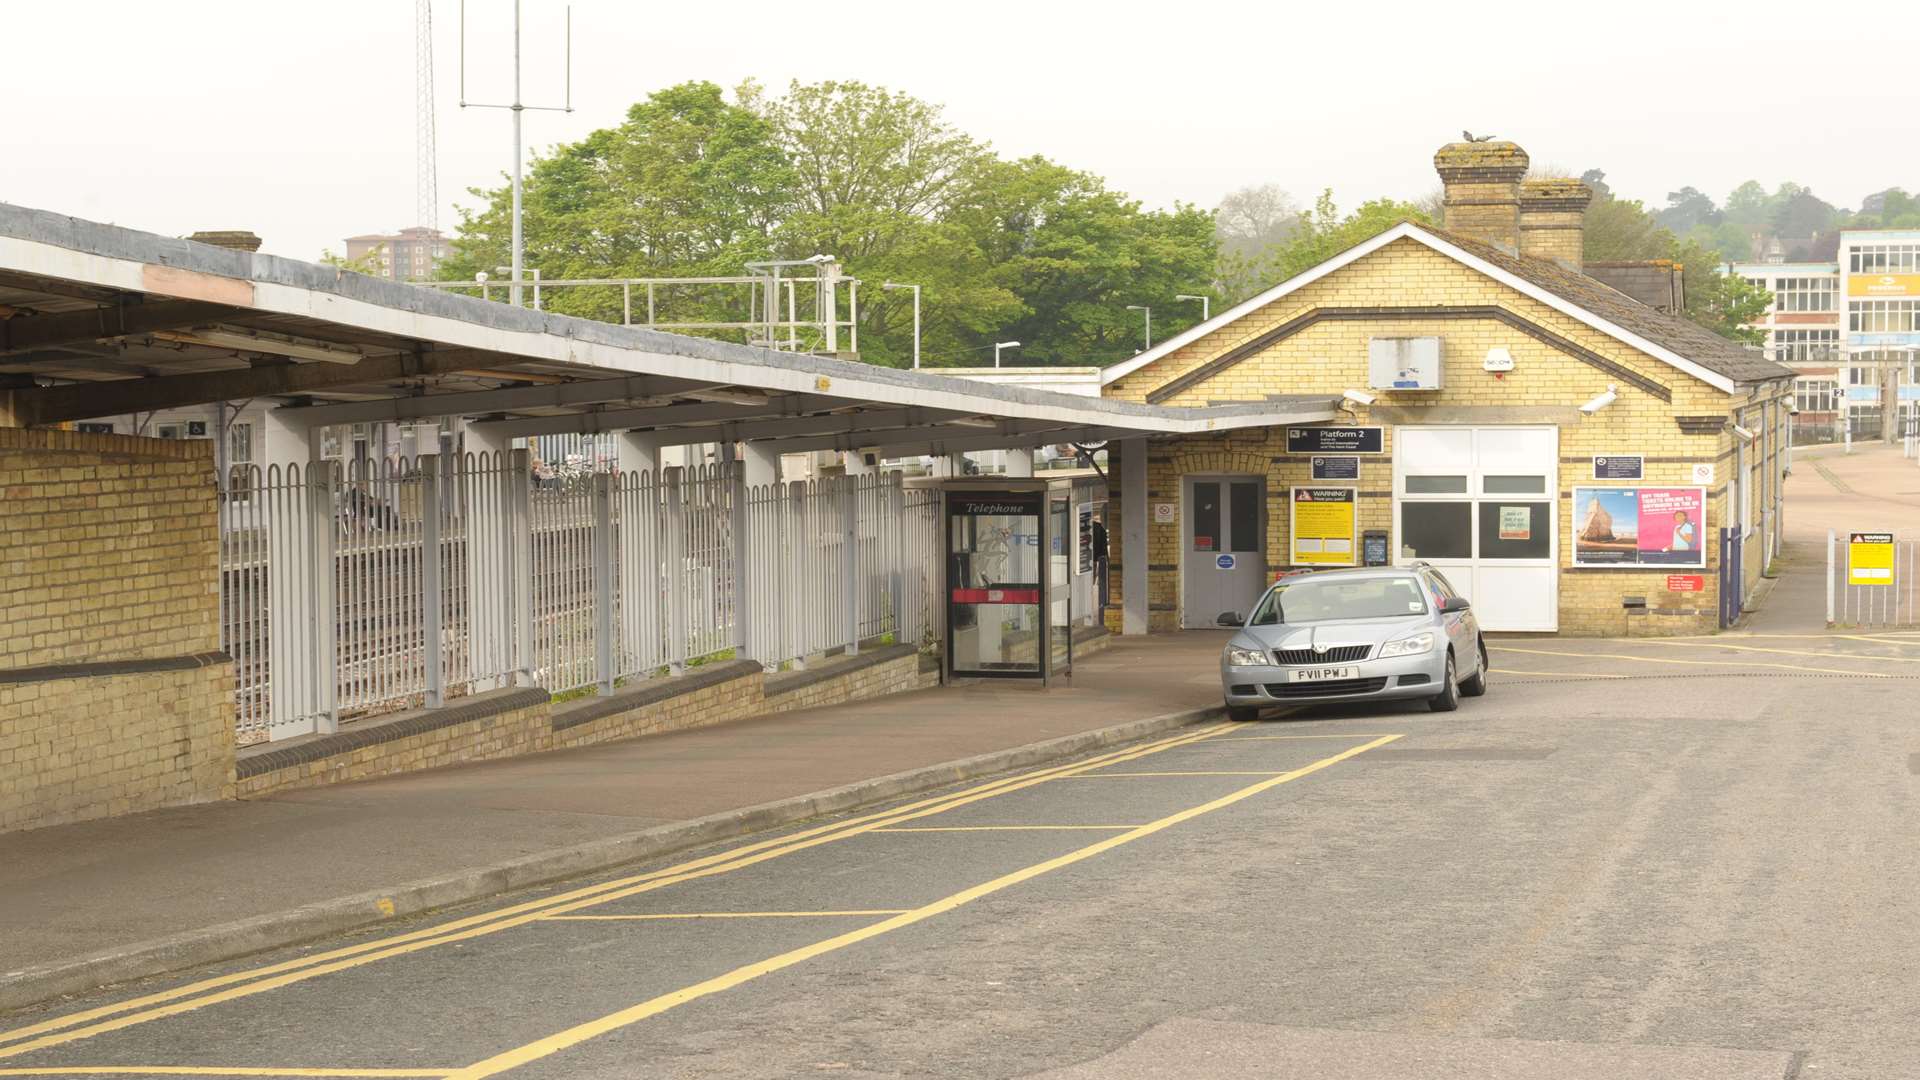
(1572, 459)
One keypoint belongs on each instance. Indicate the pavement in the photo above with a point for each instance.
(1687, 858)
(104, 900)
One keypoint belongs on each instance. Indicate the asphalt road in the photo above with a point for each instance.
(1675, 859)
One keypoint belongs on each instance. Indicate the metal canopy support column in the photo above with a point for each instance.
(603, 627)
(519, 538)
(897, 547)
(755, 581)
(1133, 535)
(432, 594)
(676, 576)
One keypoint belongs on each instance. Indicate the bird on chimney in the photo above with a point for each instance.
(1469, 136)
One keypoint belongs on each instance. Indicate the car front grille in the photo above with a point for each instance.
(1339, 654)
(1330, 688)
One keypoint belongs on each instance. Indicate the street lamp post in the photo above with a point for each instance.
(1149, 314)
(916, 317)
(998, 345)
(1205, 304)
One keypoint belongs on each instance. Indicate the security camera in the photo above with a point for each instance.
(1600, 402)
(1358, 397)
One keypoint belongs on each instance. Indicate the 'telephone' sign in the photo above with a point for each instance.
(1870, 559)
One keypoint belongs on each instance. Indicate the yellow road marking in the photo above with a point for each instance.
(1779, 652)
(1574, 674)
(723, 915)
(573, 1036)
(170, 1003)
(1693, 663)
(208, 1070)
(1183, 772)
(1007, 828)
(1287, 738)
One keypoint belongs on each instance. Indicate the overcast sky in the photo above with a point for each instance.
(297, 120)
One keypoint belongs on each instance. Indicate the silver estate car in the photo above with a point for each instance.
(1380, 633)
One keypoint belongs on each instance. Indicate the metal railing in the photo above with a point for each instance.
(385, 586)
(1873, 596)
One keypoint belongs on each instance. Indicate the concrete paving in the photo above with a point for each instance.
(1629, 859)
(96, 887)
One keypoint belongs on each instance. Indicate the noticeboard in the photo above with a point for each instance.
(1639, 526)
(1336, 440)
(1345, 467)
(1321, 526)
(1619, 466)
(1870, 558)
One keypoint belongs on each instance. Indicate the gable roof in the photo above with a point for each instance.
(1674, 340)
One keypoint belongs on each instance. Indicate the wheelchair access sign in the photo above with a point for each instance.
(1870, 558)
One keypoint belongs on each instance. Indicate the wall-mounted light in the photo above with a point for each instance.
(1601, 401)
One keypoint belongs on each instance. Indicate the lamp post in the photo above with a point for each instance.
(998, 345)
(1205, 304)
(916, 317)
(1149, 314)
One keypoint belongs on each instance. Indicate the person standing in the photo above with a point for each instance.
(1100, 563)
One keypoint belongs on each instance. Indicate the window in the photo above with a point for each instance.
(1805, 294)
(1883, 316)
(1243, 517)
(239, 443)
(1804, 346)
(1884, 259)
(1309, 599)
(1206, 515)
(1815, 395)
(1436, 530)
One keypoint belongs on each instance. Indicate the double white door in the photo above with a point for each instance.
(1481, 505)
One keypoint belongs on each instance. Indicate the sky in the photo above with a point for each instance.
(298, 120)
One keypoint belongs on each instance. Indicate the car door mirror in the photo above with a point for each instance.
(1230, 618)
(1453, 605)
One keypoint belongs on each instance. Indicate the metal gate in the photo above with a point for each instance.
(1732, 583)
(1875, 596)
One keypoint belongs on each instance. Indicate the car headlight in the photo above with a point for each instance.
(1239, 657)
(1408, 646)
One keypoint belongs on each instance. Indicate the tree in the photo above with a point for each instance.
(1799, 213)
(1688, 209)
(1622, 229)
(1318, 235)
(368, 263)
(1749, 205)
(1252, 219)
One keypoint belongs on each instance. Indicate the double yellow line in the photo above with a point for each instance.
(198, 995)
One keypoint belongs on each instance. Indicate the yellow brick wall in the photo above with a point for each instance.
(1545, 388)
(108, 552)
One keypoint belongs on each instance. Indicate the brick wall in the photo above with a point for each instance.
(1545, 388)
(113, 696)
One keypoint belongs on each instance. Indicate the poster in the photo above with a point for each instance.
(1516, 523)
(1639, 526)
(1870, 558)
(1321, 526)
(1083, 546)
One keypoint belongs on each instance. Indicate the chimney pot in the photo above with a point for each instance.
(1482, 182)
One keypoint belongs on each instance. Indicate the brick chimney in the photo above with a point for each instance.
(237, 239)
(1483, 190)
(1553, 219)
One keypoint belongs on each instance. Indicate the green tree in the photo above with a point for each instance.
(1623, 229)
(1688, 209)
(368, 263)
(1318, 235)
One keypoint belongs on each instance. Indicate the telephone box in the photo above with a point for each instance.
(1007, 579)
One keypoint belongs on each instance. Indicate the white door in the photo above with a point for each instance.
(1223, 560)
(1482, 505)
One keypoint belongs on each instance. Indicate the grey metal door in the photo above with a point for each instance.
(1223, 537)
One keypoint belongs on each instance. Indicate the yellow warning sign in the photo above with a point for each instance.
(1870, 558)
(1321, 526)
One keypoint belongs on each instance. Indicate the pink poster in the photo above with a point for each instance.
(1672, 526)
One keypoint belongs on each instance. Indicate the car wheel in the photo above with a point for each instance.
(1241, 714)
(1448, 699)
(1477, 685)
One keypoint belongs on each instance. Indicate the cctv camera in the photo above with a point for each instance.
(1358, 397)
(1600, 402)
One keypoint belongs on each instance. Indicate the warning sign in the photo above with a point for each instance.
(1321, 526)
(1870, 558)
(1686, 582)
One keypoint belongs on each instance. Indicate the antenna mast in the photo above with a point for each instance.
(426, 211)
(516, 107)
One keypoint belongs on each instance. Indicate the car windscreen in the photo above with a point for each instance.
(1320, 599)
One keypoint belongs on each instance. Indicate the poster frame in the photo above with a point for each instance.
(1699, 563)
(1353, 525)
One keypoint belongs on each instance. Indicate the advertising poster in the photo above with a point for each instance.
(1322, 526)
(1639, 526)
